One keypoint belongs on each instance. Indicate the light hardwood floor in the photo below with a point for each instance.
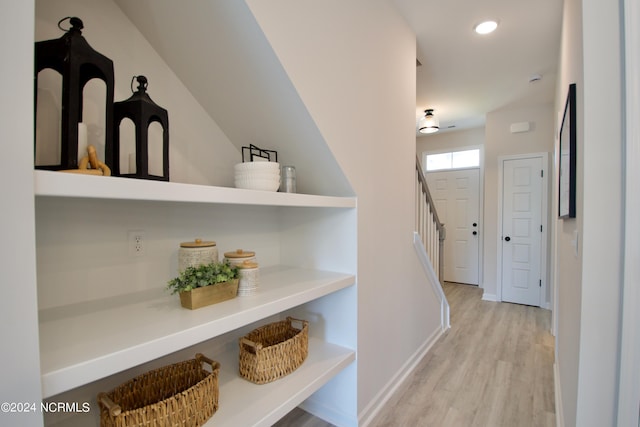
(494, 367)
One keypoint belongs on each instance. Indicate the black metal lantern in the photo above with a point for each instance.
(78, 63)
(142, 111)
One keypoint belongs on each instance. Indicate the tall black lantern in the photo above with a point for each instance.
(142, 111)
(78, 63)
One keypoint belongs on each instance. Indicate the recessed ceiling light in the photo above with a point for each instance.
(486, 27)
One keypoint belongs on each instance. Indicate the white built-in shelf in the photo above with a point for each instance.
(242, 403)
(246, 404)
(82, 343)
(59, 184)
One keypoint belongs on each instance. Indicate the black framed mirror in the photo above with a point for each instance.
(567, 161)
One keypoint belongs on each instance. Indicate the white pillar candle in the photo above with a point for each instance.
(82, 141)
(132, 163)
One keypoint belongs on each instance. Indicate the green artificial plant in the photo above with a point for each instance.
(201, 276)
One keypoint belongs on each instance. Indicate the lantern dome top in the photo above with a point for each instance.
(76, 24)
(142, 83)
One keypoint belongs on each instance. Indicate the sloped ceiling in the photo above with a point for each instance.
(218, 51)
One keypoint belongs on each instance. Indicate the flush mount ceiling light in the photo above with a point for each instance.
(485, 27)
(428, 123)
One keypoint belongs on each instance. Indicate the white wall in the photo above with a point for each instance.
(499, 141)
(602, 233)
(589, 283)
(353, 64)
(567, 264)
(449, 140)
(227, 63)
(629, 394)
(200, 153)
(19, 327)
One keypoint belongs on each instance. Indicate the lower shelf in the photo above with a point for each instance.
(243, 403)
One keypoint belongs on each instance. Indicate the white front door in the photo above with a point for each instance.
(522, 210)
(456, 196)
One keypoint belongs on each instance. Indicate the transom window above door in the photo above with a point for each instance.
(452, 160)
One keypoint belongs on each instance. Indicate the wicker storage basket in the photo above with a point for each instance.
(183, 394)
(273, 351)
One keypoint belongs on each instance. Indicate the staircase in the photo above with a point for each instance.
(428, 241)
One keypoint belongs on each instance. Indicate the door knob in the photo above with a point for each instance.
(475, 232)
(507, 238)
(475, 224)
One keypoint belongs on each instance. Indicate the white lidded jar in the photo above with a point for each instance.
(238, 256)
(249, 275)
(198, 252)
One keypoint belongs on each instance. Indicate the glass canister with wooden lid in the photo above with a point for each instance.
(198, 252)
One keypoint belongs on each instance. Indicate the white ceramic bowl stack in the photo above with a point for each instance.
(263, 176)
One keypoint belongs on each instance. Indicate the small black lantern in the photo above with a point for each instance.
(78, 63)
(142, 111)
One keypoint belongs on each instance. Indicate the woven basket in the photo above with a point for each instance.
(183, 394)
(273, 351)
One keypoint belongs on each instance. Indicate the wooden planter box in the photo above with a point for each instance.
(208, 295)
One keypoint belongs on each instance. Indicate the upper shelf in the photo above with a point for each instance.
(58, 184)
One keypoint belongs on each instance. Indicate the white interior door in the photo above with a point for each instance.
(456, 196)
(522, 206)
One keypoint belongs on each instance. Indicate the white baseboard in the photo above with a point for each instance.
(373, 408)
(494, 298)
(489, 297)
(558, 396)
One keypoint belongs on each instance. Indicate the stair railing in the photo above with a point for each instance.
(428, 225)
